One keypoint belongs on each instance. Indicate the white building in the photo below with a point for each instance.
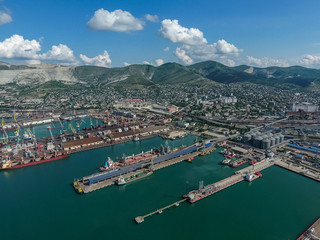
(305, 106)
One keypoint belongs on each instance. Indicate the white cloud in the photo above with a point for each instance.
(152, 18)
(5, 18)
(146, 62)
(266, 62)
(192, 44)
(309, 60)
(117, 21)
(174, 32)
(159, 62)
(60, 53)
(126, 64)
(16, 47)
(166, 49)
(182, 55)
(102, 60)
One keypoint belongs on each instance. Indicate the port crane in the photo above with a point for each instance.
(79, 124)
(5, 135)
(52, 138)
(72, 128)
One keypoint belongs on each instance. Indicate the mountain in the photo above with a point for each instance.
(294, 76)
(142, 76)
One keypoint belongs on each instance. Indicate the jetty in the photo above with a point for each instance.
(205, 191)
(312, 233)
(140, 219)
(158, 163)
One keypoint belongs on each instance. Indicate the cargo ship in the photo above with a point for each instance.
(121, 180)
(10, 164)
(237, 163)
(139, 157)
(163, 155)
(109, 166)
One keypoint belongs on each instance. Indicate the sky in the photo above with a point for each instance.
(123, 32)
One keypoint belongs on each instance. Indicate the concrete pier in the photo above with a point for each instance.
(304, 171)
(312, 233)
(111, 181)
(218, 186)
(140, 219)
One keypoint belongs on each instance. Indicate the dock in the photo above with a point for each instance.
(208, 190)
(157, 166)
(214, 188)
(302, 170)
(140, 219)
(312, 233)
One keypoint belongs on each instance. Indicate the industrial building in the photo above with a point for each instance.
(305, 107)
(263, 140)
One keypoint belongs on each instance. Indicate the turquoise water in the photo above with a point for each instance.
(38, 202)
(41, 131)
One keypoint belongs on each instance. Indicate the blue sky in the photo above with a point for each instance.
(258, 33)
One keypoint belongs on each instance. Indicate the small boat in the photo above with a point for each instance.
(189, 160)
(121, 180)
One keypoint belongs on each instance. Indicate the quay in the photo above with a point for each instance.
(312, 233)
(157, 166)
(302, 170)
(205, 191)
(208, 190)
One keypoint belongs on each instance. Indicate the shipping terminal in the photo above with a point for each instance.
(153, 160)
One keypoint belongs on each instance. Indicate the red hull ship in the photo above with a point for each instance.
(36, 162)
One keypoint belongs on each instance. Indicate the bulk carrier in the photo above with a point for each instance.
(10, 164)
(161, 155)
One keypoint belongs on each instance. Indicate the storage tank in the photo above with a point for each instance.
(272, 142)
(269, 134)
(266, 143)
(276, 138)
(281, 138)
(257, 142)
(247, 138)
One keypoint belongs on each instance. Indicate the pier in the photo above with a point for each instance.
(302, 170)
(210, 189)
(157, 166)
(140, 219)
(312, 233)
(206, 191)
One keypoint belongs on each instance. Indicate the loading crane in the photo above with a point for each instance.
(52, 138)
(72, 128)
(5, 135)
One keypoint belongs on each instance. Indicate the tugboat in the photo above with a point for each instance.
(251, 177)
(26, 137)
(226, 161)
(189, 160)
